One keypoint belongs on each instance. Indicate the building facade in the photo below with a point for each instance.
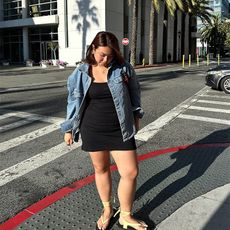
(63, 29)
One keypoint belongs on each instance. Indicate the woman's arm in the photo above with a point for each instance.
(135, 93)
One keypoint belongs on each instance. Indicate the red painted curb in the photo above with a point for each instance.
(47, 201)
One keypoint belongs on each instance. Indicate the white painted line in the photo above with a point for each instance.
(51, 154)
(35, 162)
(33, 116)
(210, 109)
(27, 137)
(4, 116)
(206, 119)
(211, 91)
(151, 129)
(216, 96)
(23, 87)
(14, 125)
(214, 102)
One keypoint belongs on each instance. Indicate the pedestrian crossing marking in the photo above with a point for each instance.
(31, 116)
(59, 150)
(6, 145)
(214, 102)
(151, 129)
(216, 96)
(210, 109)
(35, 162)
(4, 116)
(14, 125)
(206, 119)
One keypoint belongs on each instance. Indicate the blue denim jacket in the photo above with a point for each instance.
(125, 91)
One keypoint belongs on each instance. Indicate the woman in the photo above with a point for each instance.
(104, 106)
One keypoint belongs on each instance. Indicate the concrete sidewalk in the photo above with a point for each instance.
(210, 211)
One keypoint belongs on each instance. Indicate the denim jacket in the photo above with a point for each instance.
(125, 90)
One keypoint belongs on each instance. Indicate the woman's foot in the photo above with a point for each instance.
(127, 221)
(104, 220)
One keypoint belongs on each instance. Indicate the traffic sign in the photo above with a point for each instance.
(125, 41)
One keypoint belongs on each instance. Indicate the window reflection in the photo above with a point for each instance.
(42, 7)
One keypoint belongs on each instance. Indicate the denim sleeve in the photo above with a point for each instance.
(67, 125)
(135, 92)
(71, 108)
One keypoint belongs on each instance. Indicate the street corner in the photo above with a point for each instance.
(169, 179)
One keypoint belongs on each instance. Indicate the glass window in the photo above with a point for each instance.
(12, 9)
(12, 43)
(42, 7)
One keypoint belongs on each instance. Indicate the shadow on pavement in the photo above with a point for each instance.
(199, 160)
(220, 220)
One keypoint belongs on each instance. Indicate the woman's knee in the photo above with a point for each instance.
(130, 173)
(101, 169)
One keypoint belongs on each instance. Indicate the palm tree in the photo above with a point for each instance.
(226, 29)
(171, 6)
(197, 8)
(201, 9)
(213, 35)
(134, 4)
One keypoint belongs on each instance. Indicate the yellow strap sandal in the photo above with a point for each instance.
(127, 225)
(104, 221)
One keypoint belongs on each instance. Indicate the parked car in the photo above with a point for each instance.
(219, 78)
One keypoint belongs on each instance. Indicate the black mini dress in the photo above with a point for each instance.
(100, 129)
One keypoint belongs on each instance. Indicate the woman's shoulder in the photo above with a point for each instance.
(83, 67)
(127, 68)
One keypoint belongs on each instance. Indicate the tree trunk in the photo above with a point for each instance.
(151, 34)
(134, 33)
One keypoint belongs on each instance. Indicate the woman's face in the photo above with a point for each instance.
(103, 55)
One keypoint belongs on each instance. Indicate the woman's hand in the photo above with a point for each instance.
(68, 137)
(137, 124)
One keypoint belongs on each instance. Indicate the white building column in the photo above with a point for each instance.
(25, 44)
(25, 32)
(160, 32)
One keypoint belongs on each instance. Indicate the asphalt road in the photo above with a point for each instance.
(34, 162)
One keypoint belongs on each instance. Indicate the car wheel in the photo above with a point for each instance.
(225, 84)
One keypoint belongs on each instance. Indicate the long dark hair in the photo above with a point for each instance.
(104, 38)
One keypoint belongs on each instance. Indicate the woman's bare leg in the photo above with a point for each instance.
(128, 169)
(101, 164)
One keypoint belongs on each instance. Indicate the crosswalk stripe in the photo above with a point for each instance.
(32, 116)
(4, 116)
(27, 137)
(214, 102)
(206, 119)
(210, 109)
(151, 129)
(35, 162)
(53, 153)
(216, 96)
(14, 125)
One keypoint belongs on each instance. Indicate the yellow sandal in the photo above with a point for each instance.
(104, 221)
(127, 225)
